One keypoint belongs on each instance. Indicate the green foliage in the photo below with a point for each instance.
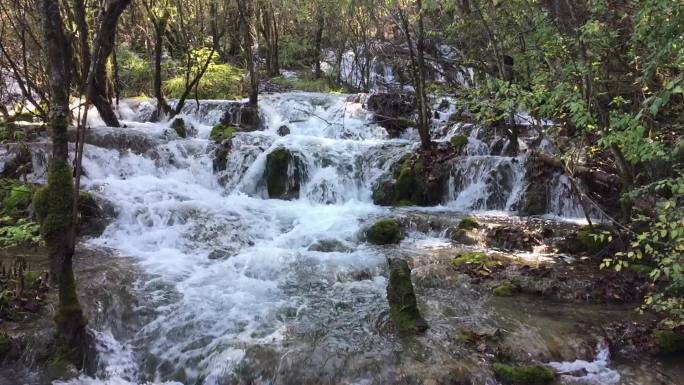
(220, 81)
(526, 374)
(135, 73)
(16, 197)
(384, 232)
(661, 244)
(309, 85)
(23, 233)
(471, 258)
(669, 341)
(221, 132)
(592, 240)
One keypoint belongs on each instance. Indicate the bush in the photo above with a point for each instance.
(308, 85)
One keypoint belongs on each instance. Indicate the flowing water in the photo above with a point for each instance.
(270, 309)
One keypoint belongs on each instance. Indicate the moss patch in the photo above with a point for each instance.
(505, 289)
(458, 142)
(468, 223)
(669, 341)
(470, 258)
(402, 299)
(526, 374)
(384, 232)
(221, 132)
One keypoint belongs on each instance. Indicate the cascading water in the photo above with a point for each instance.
(235, 279)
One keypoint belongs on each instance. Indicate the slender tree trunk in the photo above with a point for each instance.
(84, 46)
(102, 49)
(423, 109)
(318, 42)
(54, 203)
(248, 17)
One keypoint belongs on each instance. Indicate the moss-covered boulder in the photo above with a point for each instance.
(669, 342)
(384, 232)
(178, 125)
(525, 374)
(284, 174)
(404, 311)
(392, 111)
(221, 132)
(459, 143)
(468, 223)
(413, 182)
(92, 219)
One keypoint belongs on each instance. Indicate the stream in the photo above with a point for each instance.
(217, 284)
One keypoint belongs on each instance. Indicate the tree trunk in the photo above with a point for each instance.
(248, 17)
(102, 48)
(318, 41)
(423, 110)
(54, 203)
(84, 46)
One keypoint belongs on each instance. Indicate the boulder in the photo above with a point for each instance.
(284, 174)
(283, 130)
(384, 232)
(243, 116)
(414, 182)
(404, 311)
(392, 111)
(178, 125)
(329, 246)
(511, 238)
(93, 217)
(459, 143)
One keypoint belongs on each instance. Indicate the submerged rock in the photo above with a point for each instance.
(283, 130)
(384, 232)
(93, 218)
(525, 374)
(329, 246)
(402, 299)
(178, 125)
(284, 174)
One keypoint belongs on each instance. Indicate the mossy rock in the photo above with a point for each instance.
(468, 223)
(384, 232)
(505, 289)
(412, 183)
(402, 299)
(284, 174)
(178, 125)
(461, 236)
(525, 374)
(534, 202)
(470, 258)
(459, 143)
(669, 342)
(5, 344)
(221, 132)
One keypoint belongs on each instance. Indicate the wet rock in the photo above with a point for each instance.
(284, 174)
(178, 125)
(384, 232)
(221, 151)
(329, 246)
(221, 254)
(283, 130)
(525, 374)
(511, 238)
(465, 233)
(402, 299)
(505, 289)
(118, 138)
(459, 143)
(536, 193)
(242, 116)
(393, 111)
(413, 182)
(15, 162)
(93, 218)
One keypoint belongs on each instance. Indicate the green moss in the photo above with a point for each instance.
(402, 299)
(468, 223)
(526, 374)
(591, 240)
(384, 232)
(669, 341)
(178, 125)
(17, 198)
(465, 336)
(459, 142)
(470, 258)
(53, 206)
(505, 289)
(31, 279)
(5, 344)
(221, 132)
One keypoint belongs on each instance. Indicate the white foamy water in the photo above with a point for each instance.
(596, 372)
(174, 211)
